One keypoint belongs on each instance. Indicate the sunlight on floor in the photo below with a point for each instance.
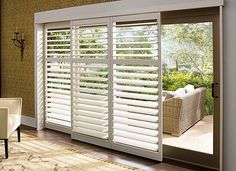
(198, 138)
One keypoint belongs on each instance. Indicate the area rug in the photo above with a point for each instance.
(34, 154)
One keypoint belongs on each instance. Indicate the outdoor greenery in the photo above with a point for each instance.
(189, 46)
(175, 80)
(187, 52)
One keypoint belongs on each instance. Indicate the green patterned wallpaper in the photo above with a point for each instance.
(18, 77)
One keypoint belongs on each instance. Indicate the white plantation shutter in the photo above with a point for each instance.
(57, 76)
(136, 82)
(90, 78)
(105, 73)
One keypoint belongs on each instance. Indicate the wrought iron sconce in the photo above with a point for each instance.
(19, 41)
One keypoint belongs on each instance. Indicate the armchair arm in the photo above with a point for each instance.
(172, 108)
(172, 115)
(165, 92)
(190, 105)
(4, 114)
(14, 105)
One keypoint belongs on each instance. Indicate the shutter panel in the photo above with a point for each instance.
(108, 72)
(136, 84)
(57, 77)
(90, 79)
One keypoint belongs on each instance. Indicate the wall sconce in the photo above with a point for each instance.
(19, 41)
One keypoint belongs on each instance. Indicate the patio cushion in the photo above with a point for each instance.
(189, 88)
(179, 92)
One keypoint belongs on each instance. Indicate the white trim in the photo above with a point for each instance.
(36, 26)
(38, 67)
(28, 121)
(57, 25)
(124, 7)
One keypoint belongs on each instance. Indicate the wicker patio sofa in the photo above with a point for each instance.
(181, 113)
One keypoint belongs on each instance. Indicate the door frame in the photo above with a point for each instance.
(189, 156)
(99, 10)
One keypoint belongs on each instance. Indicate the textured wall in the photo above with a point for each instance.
(18, 77)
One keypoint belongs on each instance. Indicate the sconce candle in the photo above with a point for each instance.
(13, 36)
(23, 36)
(20, 43)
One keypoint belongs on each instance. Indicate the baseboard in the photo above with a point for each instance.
(28, 121)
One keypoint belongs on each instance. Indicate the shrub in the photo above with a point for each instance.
(175, 80)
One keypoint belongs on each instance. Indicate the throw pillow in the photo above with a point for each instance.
(179, 92)
(189, 88)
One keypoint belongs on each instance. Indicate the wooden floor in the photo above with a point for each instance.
(123, 158)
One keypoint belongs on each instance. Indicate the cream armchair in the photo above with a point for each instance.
(10, 119)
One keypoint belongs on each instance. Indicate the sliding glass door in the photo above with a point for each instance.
(195, 50)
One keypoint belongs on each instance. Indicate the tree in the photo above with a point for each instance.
(190, 44)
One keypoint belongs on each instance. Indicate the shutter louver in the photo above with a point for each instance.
(136, 84)
(57, 77)
(90, 80)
